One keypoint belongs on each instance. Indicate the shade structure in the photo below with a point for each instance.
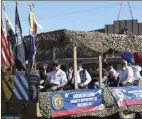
(95, 41)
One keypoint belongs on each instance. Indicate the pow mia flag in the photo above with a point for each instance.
(20, 52)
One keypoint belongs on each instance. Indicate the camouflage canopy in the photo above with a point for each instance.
(64, 40)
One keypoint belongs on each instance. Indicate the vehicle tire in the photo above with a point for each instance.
(124, 115)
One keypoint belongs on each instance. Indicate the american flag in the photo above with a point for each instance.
(6, 53)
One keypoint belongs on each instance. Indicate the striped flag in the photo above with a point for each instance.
(33, 23)
(33, 30)
(7, 55)
(20, 87)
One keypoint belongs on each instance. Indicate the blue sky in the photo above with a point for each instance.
(73, 15)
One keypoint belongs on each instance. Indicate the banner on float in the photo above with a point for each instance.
(75, 102)
(126, 96)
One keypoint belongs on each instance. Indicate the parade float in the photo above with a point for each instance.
(76, 103)
(101, 102)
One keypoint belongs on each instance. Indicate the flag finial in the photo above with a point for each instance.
(31, 6)
(16, 2)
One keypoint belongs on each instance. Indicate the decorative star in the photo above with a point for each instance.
(99, 91)
(66, 95)
(129, 98)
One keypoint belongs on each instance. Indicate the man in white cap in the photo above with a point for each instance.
(125, 74)
(56, 79)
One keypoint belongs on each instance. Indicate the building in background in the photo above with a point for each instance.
(118, 27)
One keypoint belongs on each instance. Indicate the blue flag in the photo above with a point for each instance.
(32, 50)
(20, 52)
(129, 57)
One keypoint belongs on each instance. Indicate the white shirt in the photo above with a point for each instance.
(88, 77)
(124, 72)
(136, 72)
(58, 77)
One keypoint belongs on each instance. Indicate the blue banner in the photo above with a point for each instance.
(126, 96)
(74, 102)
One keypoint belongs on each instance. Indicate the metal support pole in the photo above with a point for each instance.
(75, 67)
(130, 10)
(119, 10)
(54, 53)
(100, 71)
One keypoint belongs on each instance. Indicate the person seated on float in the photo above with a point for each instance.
(125, 74)
(112, 77)
(105, 75)
(56, 79)
(137, 76)
(69, 74)
(94, 75)
(43, 74)
(33, 84)
(83, 77)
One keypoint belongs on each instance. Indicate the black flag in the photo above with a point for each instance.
(20, 45)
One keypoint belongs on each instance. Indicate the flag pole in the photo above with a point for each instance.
(30, 34)
(15, 33)
(32, 5)
(4, 8)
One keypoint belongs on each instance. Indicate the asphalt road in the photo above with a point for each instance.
(116, 116)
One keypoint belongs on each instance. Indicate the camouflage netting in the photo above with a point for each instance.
(63, 41)
(44, 104)
(100, 43)
(111, 106)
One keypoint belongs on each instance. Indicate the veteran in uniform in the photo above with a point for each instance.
(56, 79)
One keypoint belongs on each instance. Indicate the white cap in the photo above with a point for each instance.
(124, 61)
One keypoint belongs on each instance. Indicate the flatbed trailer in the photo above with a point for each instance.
(98, 42)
